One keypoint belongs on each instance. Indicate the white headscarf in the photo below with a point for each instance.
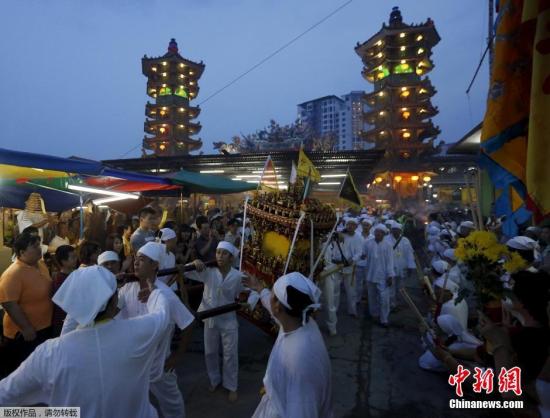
(381, 227)
(106, 256)
(225, 245)
(450, 254)
(301, 283)
(522, 243)
(153, 250)
(440, 266)
(466, 224)
(85, 293)
(396, 225)
(167, 234)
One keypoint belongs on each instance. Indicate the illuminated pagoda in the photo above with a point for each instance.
(396, 60)
(173, 82)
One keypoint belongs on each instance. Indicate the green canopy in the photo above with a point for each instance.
(208, 183)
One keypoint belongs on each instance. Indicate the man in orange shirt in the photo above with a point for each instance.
(25, 295)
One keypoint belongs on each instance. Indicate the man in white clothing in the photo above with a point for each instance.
(332, 283)
(404, 261)
(380, 274)
(164, 383)
(361, 266)
(454, 273)
(103, 366)
(222, 285)
(352, 250)
(169, 239)
(109, 260)
(446, 291)
(298, 377)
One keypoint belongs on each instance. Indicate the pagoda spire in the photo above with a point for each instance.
(172, 81)
(396, 60)
(173, 46)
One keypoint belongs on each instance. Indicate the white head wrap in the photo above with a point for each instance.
(440, 266)
(167, 234)
(396, 225)
(301, 283)
(381, 227)
(85, 293)
(351, 220)
(153, 250)
(224, 245)
(466, 224)
(450, 254)
(366, 220)
(106, 256)
(522, 243)
(450, 285)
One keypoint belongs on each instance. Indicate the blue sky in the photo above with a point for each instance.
(71, 71)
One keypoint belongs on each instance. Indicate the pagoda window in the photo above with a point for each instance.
(382, 72)
(165, 91)
(180, 91)
(402, 69)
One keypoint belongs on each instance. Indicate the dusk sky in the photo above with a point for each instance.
(71, 70)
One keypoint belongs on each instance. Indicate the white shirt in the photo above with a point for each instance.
(352, 249)
(167, 261)
(459, 311)
(380, 264)
(220, 291)
(103, 369)
(332, 254)
(179, 315)
(455, 275)
(26, 219)
(57, 242)
(403, 255)
(298, 376)
(363, 263)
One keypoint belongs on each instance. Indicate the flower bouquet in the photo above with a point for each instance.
(483, 255)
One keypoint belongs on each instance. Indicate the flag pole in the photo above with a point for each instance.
(243, 234)
(322, 253)
(291, 249)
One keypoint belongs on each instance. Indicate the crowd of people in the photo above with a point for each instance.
(79, 313)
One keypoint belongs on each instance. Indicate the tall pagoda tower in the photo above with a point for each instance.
(396, 60)
(173, 82)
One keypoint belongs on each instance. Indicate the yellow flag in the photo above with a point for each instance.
(306, 167)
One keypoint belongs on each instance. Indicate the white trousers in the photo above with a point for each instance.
(229, 339)
(331, 297)
(168, 395)
(379, 300)
(397, 285)
(360, 282)
(349, 287)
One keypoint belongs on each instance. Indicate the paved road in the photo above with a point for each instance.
(375, 372)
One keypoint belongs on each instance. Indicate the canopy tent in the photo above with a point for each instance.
(15, 196)
(207, 183)
(22, 173)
